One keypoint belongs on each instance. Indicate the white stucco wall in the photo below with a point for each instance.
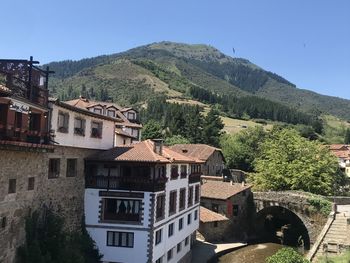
(71, 139)
(98, 230)
(178, 236)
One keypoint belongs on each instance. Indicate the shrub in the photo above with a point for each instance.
(47, 242)
(320, 204)
(286, 255)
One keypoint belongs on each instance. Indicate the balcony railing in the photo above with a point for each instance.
(194, 178)
(23, 135)
(125, 183)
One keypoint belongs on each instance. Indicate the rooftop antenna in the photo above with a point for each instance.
(233, 51)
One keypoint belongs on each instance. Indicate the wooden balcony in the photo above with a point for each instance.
(194, 178)
(125, 183)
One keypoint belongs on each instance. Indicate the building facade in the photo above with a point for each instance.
(127, 122)
(342, 152)
(230, 199)
(212, 158)
(76, 127)
(142, 203)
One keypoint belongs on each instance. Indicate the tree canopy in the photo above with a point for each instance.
(287, 161)
(240, 149)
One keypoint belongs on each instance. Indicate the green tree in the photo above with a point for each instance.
(286, 255)
(152, 130)
(347, 136)
(287, 161)
(240, 149)
(47, 242)
(212, 127)
(176, 139)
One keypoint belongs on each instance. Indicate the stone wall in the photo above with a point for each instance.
(65, 195)
(215, 231)
(239, 223)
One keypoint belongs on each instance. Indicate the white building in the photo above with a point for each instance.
(76, 127)
(142, 203)
(128, 127)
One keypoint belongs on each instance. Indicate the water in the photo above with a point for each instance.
(251, 254)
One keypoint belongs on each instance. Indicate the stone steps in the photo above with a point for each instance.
(338, 234)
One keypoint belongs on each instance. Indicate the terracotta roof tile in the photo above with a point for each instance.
(207, 215)
(338, 147)
(140, 152)
(221, 190)
(199, 151)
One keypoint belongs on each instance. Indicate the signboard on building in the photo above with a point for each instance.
(19, 107)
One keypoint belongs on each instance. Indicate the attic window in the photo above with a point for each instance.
(184, 150)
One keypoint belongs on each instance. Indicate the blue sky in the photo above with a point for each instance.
(307, 42)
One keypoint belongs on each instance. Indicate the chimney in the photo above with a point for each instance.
(158, 146)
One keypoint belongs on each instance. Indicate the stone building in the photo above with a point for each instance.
(213, 226)
(229, 199)
(212, 158)
(342, 152)
(42, 152)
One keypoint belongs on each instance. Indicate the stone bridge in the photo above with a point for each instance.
(293, 207)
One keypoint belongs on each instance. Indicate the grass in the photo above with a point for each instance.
(334, 129)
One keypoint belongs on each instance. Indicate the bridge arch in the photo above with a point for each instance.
(277, 223)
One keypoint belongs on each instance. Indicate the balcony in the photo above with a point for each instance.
(125, 183)
(194, 178)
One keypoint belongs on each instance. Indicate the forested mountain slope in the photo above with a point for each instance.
(133, 76)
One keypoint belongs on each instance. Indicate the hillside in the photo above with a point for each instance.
(171, 68)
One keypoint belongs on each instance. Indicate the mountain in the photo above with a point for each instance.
(169, 68)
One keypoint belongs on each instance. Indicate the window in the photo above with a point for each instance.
(34, 121)
(170, 229)
(12, 186)
(189, 219)
(121, 209)
(54, 168)
(182, 201)
(131, 115)
(178, 247)
(186, 241)
(63, 122)
(111, 113)
(71, 167)
(18, 120)
(190, 196)
(120, 239)
(244, 193)
(183, 171)
(160, 260)
(79, 126)
(196, 194)
(96, 129)
(98, 110)
(215, 224)
(195, 215)
(172, 202)
(160, 209)
(170, 254)
(181, 223)
(3, 222)
(158, 236)
(235, 209)
(174, 172)
(31, 181)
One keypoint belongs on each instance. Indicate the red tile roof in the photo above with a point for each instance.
(207, 215)
(340, 150)
(221, 190)
(141, 152)
(338, 147)
(84, 103)
(199, 151)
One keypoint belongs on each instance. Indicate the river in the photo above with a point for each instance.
(251, 254)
